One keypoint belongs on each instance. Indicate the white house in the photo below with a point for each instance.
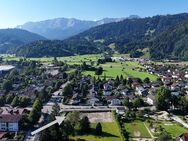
(9, 123)
(141, 91)
(150, 99)
(120, 110)
(113, 101)
(107, 93)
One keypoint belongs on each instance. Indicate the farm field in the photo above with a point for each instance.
(137, 129)
(125, 68)
(110, 133)
(70, 59)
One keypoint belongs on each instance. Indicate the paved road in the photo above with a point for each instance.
(29, 137)
(86, 110)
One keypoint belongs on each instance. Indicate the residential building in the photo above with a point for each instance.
(9, 122)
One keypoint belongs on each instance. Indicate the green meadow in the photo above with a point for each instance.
(111, 70)
(127, 69)
(110, 133)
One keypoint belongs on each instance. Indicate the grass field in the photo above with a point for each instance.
(125, 68)
(110, 69)
(137, 129)
(70, 59)
(175, 129)
(110, 133)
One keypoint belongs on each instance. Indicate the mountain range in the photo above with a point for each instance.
(62, 28)
(164, 36)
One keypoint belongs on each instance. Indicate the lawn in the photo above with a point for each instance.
(125, 68)
(110, 133)
(175, 129)
(137, 129)
(70, 59)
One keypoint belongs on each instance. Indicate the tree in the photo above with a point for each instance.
(124, 82)
(57, 85)
(68, 90)
(84, 89)
(9, 98)
(183, 104)
(73, 118)
(147, 80)
(24, 101)
(67, 129)
(99, 71)
(15, 101)
(117, 81)
(98, 129)
(7, 85)
(163, 98)
(35, 113)
(121, 78)
(165, 137)
(65, 75)
(126, 102)
(2, 101)
(138, 102)
(84, 125)
(129, 82)
(45, 135)
(55, 111)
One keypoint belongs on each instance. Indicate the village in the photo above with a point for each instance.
(30, 91)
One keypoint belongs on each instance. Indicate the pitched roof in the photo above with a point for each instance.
(10, 118)
(2, 134)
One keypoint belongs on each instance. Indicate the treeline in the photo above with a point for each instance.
(57, 48)
(171, 44)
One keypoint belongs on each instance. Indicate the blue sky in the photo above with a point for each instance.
(15, 12)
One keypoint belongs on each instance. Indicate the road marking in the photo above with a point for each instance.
(58, 120)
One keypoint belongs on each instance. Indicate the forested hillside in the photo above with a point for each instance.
(171, 44)
(10, 38)
(57, 48)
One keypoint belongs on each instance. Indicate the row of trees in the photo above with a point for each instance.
(14, 101)
(165, 101)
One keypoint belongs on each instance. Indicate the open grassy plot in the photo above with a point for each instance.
(80, 58)
(173, 128)
(137, 129)
(125, 68)
(110, 133)
(70, 59)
